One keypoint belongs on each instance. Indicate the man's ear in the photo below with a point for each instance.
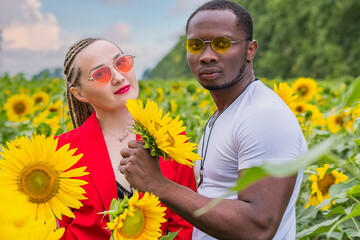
(78, 94)
(252, 48)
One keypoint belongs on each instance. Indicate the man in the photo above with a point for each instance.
(252, 125)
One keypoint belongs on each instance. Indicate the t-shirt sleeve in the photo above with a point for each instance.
(267, 133)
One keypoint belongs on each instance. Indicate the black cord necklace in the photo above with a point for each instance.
(203, 157)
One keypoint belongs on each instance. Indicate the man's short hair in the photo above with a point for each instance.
(244, 20)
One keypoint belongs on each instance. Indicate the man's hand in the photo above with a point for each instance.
(140, 169)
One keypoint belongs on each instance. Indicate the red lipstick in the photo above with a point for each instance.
(123, 90)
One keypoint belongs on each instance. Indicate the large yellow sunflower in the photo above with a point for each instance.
(321, 184)
(162, 134)
(41, 99)
(286, 93)
(306, 88)
(40, 171)
(18, 107)
(16, 221)
(136, 219)
(340, 120)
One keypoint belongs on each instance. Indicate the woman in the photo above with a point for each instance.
(99, 80)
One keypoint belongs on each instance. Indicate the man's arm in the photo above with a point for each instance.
(255, 215)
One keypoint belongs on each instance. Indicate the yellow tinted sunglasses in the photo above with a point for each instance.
(219, 44)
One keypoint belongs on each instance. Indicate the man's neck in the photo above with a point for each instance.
(224, 97)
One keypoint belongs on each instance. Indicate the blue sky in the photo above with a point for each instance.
(37, 33)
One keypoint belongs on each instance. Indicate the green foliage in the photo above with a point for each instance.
(173, 65)
(306, 38)
(319, 38)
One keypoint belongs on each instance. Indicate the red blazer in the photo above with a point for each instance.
(101, 187)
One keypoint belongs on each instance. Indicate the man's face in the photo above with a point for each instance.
(217, 70)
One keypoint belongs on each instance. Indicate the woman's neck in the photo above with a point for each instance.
(117, 122)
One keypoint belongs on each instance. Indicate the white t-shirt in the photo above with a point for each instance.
(257, 127)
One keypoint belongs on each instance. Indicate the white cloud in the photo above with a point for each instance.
(118, 33)
(185, 6)
(30, 62)
(25, 27)
(32, 39)
(115, 2)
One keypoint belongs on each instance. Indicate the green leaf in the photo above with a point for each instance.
(354, 190)
(354, 213)
(357, 142)
(316, 229)
(248, 177)
(170, 236)
(319, 152)
(336, 210)
(304, 214)
(340, 190)
(353, 93)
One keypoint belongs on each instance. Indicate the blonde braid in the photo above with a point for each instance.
(79, 111)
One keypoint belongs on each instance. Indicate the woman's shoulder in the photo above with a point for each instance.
(72, 136)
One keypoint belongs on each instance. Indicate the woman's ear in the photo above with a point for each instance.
(252, 48)
(78, 94)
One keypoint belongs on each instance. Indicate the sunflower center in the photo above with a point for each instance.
(300, 109)
(53, 109)
(39, 100)
(170, 140)
(19, 108)
(325, 183)
(134, 226)
(303, 90)
(339, 121)
(40, 182)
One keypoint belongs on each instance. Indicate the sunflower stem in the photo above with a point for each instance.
(358, 202)
(357, 227)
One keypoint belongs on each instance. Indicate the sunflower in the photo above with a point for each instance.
(55, 109)
(173, 105)
(18, 107)
(340, 120)
(160, 92)
(41, 99)
(286, 93)
(306, 88)
(16, 221)
(321, 184)
(309, 116)
(17, 142)
(136, 218)
(53, 122)
(39, 171)
(161, 134)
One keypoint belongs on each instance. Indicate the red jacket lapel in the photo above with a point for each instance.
(98, 160)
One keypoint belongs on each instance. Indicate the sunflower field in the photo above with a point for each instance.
(328, 111)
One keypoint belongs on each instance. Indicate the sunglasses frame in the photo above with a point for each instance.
(111, 72)
(211, 43)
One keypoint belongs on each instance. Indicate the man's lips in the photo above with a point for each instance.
(123, 89)
(209, 73)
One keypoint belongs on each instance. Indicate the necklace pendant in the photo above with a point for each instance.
(122, 138)
(201, 178)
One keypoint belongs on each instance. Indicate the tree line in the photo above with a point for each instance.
(318, 39)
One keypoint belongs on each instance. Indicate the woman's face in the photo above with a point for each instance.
(112, 95)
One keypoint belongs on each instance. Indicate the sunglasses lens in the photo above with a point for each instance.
(102, 75)
(125, 63)
(221, 44)
(194, 45)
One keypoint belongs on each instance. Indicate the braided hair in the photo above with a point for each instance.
(79, 111)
